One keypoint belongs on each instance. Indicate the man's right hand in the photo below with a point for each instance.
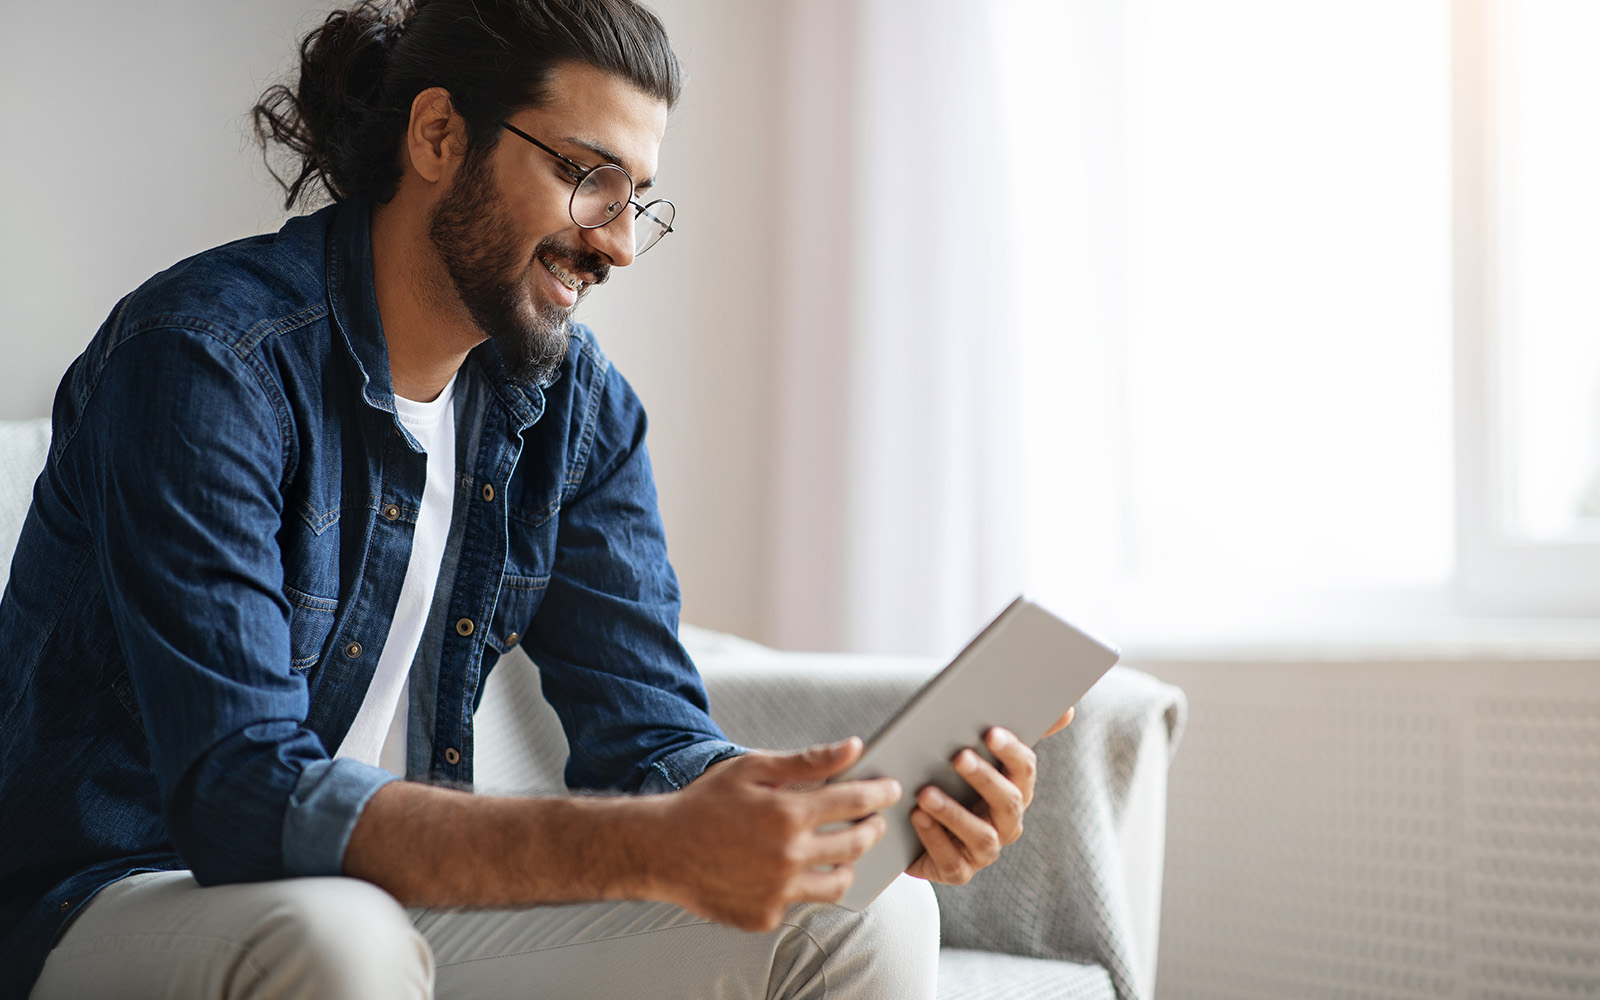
(742, 843)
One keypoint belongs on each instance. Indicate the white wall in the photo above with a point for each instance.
(131, 149)
(128, 128)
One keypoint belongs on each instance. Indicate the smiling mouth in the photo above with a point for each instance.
(563, 275)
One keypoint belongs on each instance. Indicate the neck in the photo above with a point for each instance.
(427, 329)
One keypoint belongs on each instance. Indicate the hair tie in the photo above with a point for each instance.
(383, 34)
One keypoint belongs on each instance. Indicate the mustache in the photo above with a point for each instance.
(582, 260)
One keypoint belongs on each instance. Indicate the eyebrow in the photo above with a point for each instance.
(610, 157)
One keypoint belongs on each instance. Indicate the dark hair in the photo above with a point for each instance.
(362, 67)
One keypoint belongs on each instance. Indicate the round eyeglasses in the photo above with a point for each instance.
(601, 194)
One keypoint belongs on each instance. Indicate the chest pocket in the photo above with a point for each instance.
(520, 597)
(311, 620)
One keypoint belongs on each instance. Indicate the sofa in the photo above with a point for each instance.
(1070, 912)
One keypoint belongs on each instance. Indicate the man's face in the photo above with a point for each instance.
(517, 260)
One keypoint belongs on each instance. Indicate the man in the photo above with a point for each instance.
(305, 489)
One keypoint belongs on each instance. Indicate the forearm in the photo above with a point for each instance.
(740, 845)
(437, 847)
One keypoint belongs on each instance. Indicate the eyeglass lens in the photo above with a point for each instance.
(650, 223)
(603, 194)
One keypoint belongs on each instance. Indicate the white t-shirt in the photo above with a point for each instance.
(378, 735)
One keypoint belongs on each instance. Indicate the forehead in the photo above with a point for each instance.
(591, 109)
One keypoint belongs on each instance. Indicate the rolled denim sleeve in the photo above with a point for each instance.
(675, 770)
(176, 462)
(323, 809)
(605, 635)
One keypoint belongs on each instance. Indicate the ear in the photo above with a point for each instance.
(436, 137)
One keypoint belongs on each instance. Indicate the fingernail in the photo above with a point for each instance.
(933, 797)
(966, 760)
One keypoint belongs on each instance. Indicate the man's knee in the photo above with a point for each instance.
(889, 949)
(903, 920)
(340, 937)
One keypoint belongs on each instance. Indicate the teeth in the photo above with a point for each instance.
(566, 277)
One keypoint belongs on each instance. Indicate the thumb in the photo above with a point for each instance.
(815, 763)
(1061, 723)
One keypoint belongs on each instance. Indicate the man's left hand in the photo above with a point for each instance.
(958, 841)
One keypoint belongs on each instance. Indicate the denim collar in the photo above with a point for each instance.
(353, 304)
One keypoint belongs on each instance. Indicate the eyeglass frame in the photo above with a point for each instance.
(583, 174)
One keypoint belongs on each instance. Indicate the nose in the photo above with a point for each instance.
(614, 239)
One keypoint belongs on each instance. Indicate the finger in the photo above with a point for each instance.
(824, 886)
(1061, 723)
(850, 800)
(978, 838)
(844, 846)
(1017, 759)
(944, 860)
(814, 763)
(1000, 794)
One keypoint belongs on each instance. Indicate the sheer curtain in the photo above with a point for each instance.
(1139, 305)
(897, 507)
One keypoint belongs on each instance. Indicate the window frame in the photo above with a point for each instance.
(1496, 572)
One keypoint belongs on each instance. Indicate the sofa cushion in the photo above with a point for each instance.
(989, 975)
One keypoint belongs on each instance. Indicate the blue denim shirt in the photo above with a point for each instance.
(213, 556)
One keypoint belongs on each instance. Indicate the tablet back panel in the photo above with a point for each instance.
(1021, 672)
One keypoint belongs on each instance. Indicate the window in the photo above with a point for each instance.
(1305, 290)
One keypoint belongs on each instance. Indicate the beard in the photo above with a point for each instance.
(476, 241)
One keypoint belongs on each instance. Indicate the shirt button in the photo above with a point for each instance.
(64, 905)
(464, 626)
(392, 512)
(452, 755)
(488, 491)
(511, 640)
(352, 650)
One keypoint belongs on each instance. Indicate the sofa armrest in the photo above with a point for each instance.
(1084, 882)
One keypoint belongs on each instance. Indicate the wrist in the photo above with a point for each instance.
(619, 845)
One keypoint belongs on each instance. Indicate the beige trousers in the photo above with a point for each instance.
(161, 935)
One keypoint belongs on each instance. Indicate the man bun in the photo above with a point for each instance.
(334, 121)
(340, 124)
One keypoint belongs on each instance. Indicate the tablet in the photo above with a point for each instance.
(1021, 672)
